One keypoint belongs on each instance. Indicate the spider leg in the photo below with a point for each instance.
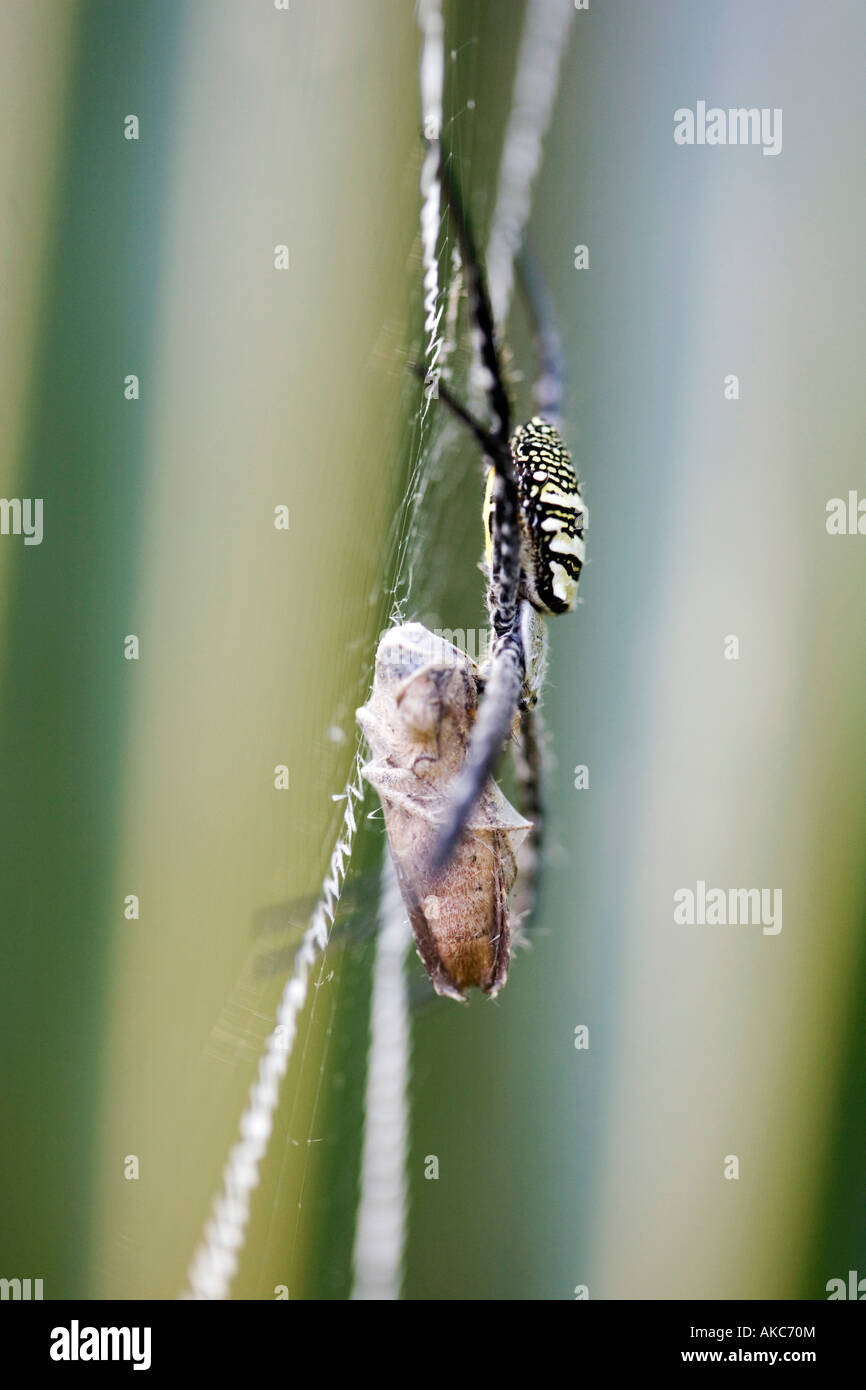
(482, 434)
(482, 313)
(507, 670)
(549, 382)
(528, 769)
(505, 560)
(506, 675)
(492, 728)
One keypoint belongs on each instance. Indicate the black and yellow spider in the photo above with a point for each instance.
(436, 725)
(534, 521)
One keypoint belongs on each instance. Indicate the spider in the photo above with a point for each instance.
(436, 725)
(534, 520)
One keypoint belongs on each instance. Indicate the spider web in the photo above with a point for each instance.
(380, 1236)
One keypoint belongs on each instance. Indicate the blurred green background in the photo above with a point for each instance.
(557, 1167)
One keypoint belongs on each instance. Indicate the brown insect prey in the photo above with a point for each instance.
(418, 721)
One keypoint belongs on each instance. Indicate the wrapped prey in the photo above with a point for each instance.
(418, 722)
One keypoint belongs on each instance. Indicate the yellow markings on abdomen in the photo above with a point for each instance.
(552, 516)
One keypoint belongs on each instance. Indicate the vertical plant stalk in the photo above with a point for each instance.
(545, 32)
(215, 1262)
(380, 1232)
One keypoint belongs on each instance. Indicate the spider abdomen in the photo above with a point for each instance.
(552, 516)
